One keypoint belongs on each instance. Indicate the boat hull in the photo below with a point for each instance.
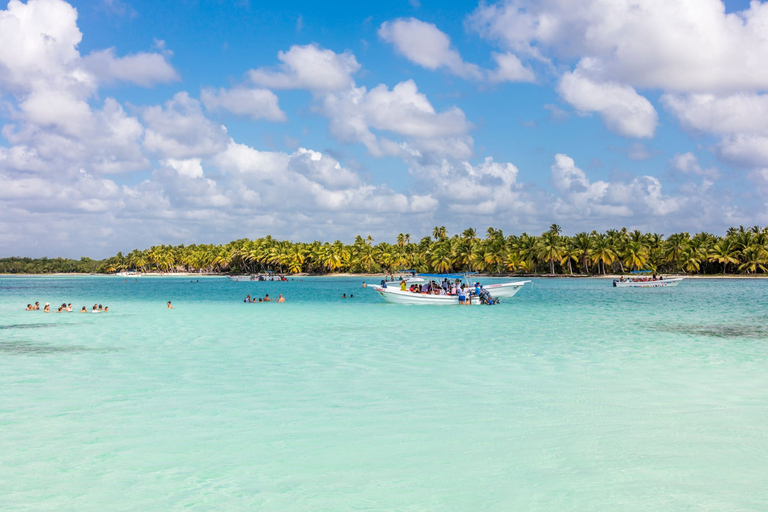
(649, 284)
(397, 296)
(504, 290)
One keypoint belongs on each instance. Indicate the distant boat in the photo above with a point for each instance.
(392, 292)
(257, 277)
(129, 273)
(646, 281)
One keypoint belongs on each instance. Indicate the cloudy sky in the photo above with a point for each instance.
(132, 123)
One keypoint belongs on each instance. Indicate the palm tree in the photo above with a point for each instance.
(602, 252)
(635, 254)
(724, 251)
(550, 248)
(754, 259)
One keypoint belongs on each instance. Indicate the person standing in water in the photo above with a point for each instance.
(169, 305)
(281, 298)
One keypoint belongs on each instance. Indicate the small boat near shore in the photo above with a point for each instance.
(257, 277)
(646, 281)
(392, 292)
(128, 273)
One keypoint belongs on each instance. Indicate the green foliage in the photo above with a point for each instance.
(19, 265)
(742, 250)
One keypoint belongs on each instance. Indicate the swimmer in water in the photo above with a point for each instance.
(281, 298)
(169, 305)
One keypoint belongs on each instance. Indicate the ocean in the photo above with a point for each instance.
(573, 395)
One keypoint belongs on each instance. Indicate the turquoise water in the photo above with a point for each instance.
(572, 396)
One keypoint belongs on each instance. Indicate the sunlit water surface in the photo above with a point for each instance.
(574, 395)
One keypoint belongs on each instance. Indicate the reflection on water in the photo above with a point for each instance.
(716, 330)
(34, 348)
(28, 326)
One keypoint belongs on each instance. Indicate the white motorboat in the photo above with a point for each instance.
(257, 277)
(393, 293)
(129, 273)
(647, 282)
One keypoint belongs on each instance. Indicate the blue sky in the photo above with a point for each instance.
(133, 123)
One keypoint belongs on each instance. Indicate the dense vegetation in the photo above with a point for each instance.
(48, 266)
(741, 250)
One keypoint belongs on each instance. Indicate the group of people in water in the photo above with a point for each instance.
(266, 298)
(67, 308)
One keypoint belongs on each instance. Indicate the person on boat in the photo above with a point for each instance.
(169, 305)
(402, 285)
(281, 298)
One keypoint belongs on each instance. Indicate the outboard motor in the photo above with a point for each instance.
(485, 298)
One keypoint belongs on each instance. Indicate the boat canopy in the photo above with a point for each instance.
(641, 271)
(449, 276)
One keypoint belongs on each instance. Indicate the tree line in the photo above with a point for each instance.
(742, 250)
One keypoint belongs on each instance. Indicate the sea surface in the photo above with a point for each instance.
(573, 395)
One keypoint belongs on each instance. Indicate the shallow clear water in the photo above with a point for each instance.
(572, 396)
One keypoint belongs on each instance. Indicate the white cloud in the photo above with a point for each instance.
(254, 103)
(745, 150)
(181, 130)
(741, 120)
(580, 199)
(402, 111)
(426, 45)
(145, 69)
(621, 108)
(309, 67)
(688, 163)
(510, 69)
(687, 45)
(725, 115)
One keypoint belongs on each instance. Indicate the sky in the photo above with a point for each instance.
(126, 124)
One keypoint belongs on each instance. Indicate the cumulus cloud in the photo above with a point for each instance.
(402, 111)
(179, 129)
(621, 108)
(145, 69)
(687, 46)
(253, 103)
(579, 198)
(510, 69)
(308, 67)
(740, 119)
(424, 44)
(708, 63)
(688, 163)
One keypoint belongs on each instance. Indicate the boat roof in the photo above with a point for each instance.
(449, 276)
(641, 271)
